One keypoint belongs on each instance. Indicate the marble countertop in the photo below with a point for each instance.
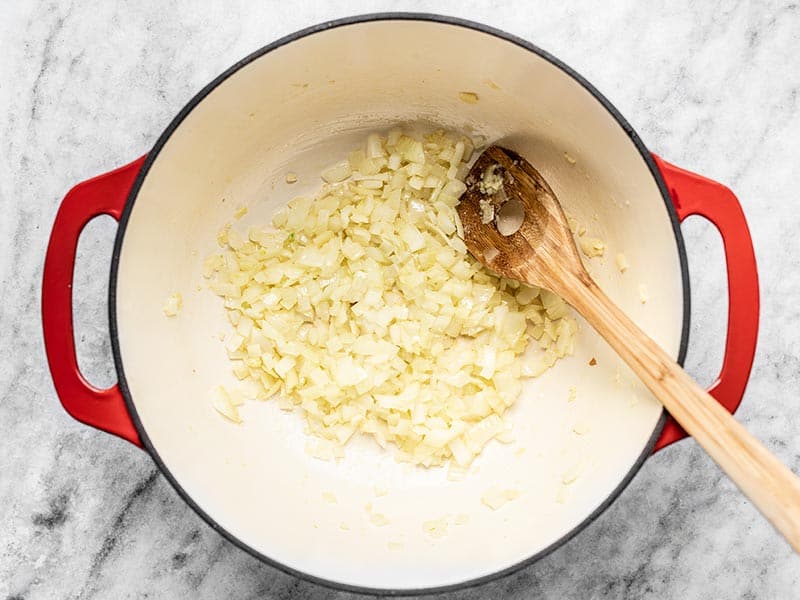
(88, 86)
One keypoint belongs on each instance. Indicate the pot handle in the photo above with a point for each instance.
(103, 195)
(693, 194)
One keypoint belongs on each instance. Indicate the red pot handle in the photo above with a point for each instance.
(102, 195)
(695, 195)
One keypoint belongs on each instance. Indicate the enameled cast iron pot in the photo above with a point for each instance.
(296, 105)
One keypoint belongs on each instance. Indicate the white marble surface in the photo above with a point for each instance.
(86, 86)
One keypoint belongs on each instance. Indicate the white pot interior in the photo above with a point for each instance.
(299, 108)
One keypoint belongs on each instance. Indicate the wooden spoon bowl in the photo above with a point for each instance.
(542, 248)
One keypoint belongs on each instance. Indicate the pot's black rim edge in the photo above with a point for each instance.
(388, 16)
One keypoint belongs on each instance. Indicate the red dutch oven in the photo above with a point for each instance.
(295, 105)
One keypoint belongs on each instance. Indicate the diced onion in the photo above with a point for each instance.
(622, 262)
(496, 497)
(173, 304)
(363, 309)
(338, 172)
(592, 247)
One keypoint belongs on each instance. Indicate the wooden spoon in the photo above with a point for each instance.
(538, 249)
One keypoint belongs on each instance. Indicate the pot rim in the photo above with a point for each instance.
(199, 97)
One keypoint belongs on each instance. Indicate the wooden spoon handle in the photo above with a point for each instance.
(772, 487)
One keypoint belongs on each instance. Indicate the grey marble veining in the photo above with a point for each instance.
(88, 86)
